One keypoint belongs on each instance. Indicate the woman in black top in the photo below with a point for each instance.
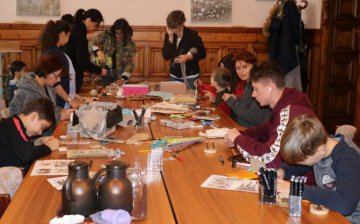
(77, 47)
(184, 48)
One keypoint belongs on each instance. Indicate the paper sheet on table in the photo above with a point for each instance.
(51, 167)
(57, 182)
(215, 133)
(164, 95)
(230, 183)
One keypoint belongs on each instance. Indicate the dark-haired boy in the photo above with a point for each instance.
(336, 165)
(15, 147)
(262, 142)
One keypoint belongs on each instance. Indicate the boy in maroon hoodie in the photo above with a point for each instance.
(262, 142)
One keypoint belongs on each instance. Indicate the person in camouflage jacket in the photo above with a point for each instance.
(115, 50)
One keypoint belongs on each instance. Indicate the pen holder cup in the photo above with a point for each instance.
(264, 196)
(295, 205)
(261, 194)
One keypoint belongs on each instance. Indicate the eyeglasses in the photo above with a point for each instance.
(56, 75)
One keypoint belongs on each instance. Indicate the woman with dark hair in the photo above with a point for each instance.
(115, 49)
(184, 48)
(54, 36)
(39, 84)
(77, 47)
(246, 109)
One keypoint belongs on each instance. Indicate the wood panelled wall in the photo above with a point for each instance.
(150, 66)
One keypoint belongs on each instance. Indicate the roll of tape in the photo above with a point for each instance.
(210, 150)
(318, 209)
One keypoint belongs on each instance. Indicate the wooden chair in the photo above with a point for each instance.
(346, 130)
(4, 202)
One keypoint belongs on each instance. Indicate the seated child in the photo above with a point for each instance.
(15, 147)
(336, 165)
(17, 69)
(220, 81)
(206, 90)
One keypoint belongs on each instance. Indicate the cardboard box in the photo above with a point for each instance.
(173, 87)
(135, 89)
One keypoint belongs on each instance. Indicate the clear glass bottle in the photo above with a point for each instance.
(139, 193)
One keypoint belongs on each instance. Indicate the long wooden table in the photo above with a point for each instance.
(174, 195)
(194, 204)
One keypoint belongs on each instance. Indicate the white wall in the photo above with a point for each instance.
(247, 13)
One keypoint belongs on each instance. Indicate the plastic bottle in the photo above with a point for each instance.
(139, 194)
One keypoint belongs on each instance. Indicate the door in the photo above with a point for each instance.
(342, 63)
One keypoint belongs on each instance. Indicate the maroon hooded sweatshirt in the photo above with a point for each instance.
(262, 142)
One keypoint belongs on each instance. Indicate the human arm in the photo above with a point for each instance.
(52, 143)
(65, 114)
(62, 93)
(347, 194)
(80, 44)
(248, 110)
(261, 143)
(129, 53)
(18, 143)
(168, 48)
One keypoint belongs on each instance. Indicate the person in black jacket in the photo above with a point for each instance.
(184, 48)
(16, 148)
(284, 39)
(77, 47)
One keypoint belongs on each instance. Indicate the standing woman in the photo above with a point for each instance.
(184, 48)
(115, 50)
(54, 36)
(77, 47)
(247, 110)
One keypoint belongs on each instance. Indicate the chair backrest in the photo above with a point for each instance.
(10, 180)
(346, 130)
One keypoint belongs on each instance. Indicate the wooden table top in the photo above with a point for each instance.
(174, 195)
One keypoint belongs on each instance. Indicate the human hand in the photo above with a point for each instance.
(79, 98)
(183, 58)
(65, 113)
(52, 143)
(280, 173)
(170, 33)
(120, 82)
(101, 56)
(74, 104)
(233, 133)
(103, 72)
(44, 139)
(283, 186)
(208, 94)
(229, 138)
(227, 96)
(198, 82)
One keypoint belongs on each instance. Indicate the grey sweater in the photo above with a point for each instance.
(247, 110)
(29, 89)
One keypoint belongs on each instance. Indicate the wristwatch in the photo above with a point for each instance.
(69, 99)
